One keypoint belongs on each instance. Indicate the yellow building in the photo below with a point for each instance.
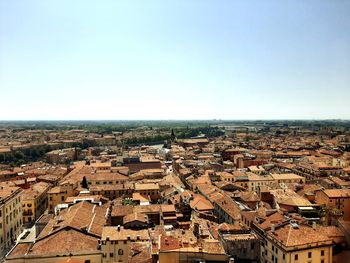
(73, 234)
(116, 242)
(335, 199)
(288, 178)
(150, 190)
(34, 201)
(58, 194)
(293, 242)
(10, 216)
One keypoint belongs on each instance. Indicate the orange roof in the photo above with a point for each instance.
(201, 204)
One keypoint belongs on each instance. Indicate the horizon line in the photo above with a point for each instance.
(214, 119)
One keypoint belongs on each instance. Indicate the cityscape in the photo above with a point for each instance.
(181, 191)
(188, 131)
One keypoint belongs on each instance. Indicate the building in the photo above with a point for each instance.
(225, 208)
(136, 164)
(289, 178)
(112, 191)
(34, 202)
(242, 244)
(10, 216)
(335, 199)
(175, 250)
(105, 178)
(293, 242)
(63, 155)
(150, 190)
(116, 243)
(58, 194)
(73, 234)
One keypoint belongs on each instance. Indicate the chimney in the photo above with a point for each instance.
(118, 228)
(314, 225)
(273, 228)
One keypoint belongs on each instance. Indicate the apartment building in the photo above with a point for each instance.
(291, 242)
(73, 235)
(105, 178)
(116, 243)
(58, 194)
(34, 201)
(150, 190)
(10, 216)
(335, 199)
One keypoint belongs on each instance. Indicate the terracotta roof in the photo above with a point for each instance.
(250, 196)
(337, 193)
(65, 241)
(147, 186)
(275, 218)
(82, 216)
(147, 209)
(105, 176)
(135, 217)
(168, 208)
(226, 204)
(140, 253)
(290, 236)
(121, 210)
(200, 203)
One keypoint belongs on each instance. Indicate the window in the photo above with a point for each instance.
(111, 255)
(322, 260)
(87, 261)
(309, 255)
(296, 257)
(120, 252)
(322, 252)
(62, 198)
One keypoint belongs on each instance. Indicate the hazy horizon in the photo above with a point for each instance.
(182, 60)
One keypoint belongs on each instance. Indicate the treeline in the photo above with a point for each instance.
(182, 133)
(22, 156)
(147, 139)
(193, 132)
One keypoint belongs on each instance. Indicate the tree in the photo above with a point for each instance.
(84, 183)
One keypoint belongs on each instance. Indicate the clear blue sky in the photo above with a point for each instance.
(178, 59)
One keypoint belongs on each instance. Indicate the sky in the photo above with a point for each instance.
(181, 59)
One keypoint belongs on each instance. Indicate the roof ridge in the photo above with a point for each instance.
(92, 220)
